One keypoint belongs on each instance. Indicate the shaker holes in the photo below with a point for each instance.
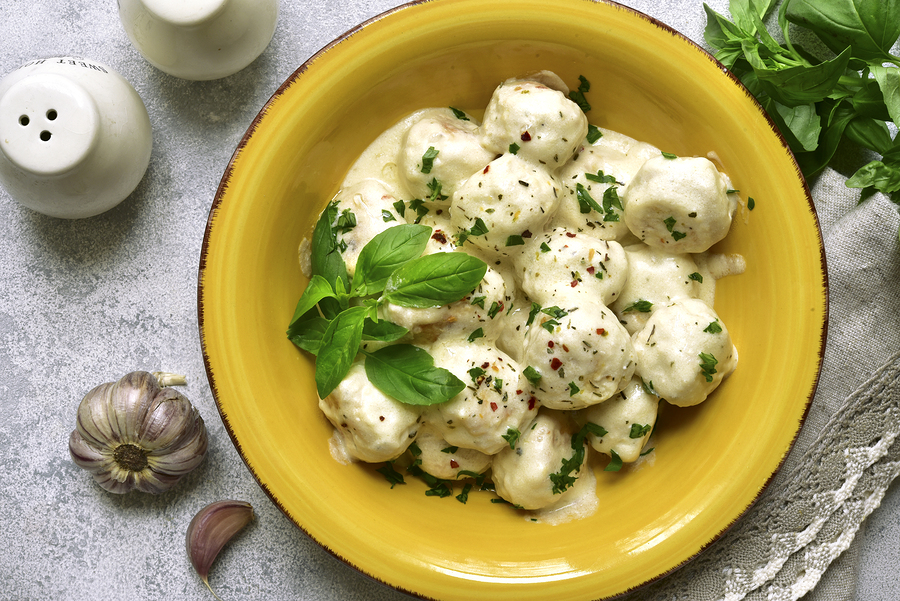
(24, 120)
(51, 115)
(45, 135)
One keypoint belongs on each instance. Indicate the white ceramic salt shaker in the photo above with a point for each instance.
(199, 39)
(75, 137)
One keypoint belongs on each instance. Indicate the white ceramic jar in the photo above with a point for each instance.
(199, 39)
(75, 137)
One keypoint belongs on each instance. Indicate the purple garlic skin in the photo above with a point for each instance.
(134, 434)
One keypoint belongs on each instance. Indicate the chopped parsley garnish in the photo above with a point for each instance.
(732, 191)
(669, 155)
(696, 277)
(639, 431)
(708, 365)
(476, 373)
(464, 495)
(459, 114)
(670, 225)
(515, 240)
(514, 148)
(450, 450)
(479, 333)
(615, 464)
(577, 96)
(713, 328)
(512, 437)
(387, 216)
(418, 205)
(573, 389)
(479, 229)
(563, 479)
(434, 186)
(610, 202)
(641, 306)
(648, 387)
(648, 451)
(400, 207)
(391, 475)
(535, 309)
(585, 201)
(498, 384)
(544, 247)
(533, 375)
(495, 308)
(479, 300)
(428, 159)
(346, 222)
(593, 134)
(751, 204)
(600, 178)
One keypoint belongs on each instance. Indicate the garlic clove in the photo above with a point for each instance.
(210, 531)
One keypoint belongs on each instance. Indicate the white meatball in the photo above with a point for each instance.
(491, 405)
(584, 356)
(445, 461)
(684, 352)
(628, 419)
(459, 153)
(483, 309)
(374, 427)
(363, 203)
(655, 279)
(613, 157)
(522, 475)
(546, 126)
(568, 269)
(509, 197)
(680, 204)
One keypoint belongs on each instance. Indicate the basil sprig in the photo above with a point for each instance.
(336, 313)
(854, 94)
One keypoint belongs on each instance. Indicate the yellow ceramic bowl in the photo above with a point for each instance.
(712, 461)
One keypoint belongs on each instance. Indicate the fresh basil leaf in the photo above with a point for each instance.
(869, 27)
(317, 289)
(884, 177)
(839, 115)
(888, 79)
(801, 84)
(385, 253)
(434, 280)
(307, 331)
(340, 344)
(408, 374)
(747, 14)
(800, 125)
(382, 330)
(870, 133)
(326, 259)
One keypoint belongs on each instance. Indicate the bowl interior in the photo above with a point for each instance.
(711, 461)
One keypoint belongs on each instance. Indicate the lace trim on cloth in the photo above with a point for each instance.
(779, 550)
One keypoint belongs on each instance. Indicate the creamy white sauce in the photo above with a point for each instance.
(529, 173)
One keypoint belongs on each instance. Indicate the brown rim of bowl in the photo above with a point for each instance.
(226, 177)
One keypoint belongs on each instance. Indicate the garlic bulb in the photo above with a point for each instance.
(138, 433)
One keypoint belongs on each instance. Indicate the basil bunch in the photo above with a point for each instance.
(336, 314)
(817, 102)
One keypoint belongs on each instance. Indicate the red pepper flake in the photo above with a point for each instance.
(574, 283)
(485, 365)
(439, 236)
(531, 403)
(550, 343)
(526, 137)
(565, 348)
(601, 331)
(518, 392)
(555, 364)
(493, 406)
(526, 234)
(591, 270)
(454, 464)
(570, 234)
(486, 169)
